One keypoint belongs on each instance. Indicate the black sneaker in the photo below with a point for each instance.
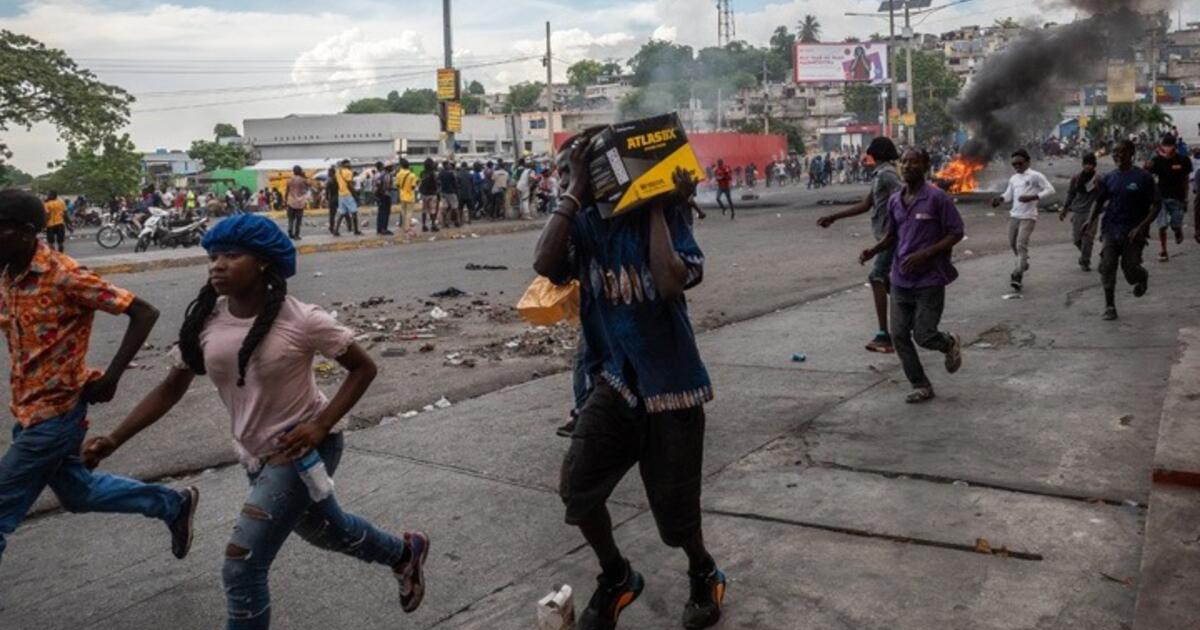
(703, 608)
(954, 354)
(610, 599)
(1015, 281)
(568, 429)
(411, 574)
(1140, 288)
(182, 528)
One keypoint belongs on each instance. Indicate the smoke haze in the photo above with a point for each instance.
(1018, 92)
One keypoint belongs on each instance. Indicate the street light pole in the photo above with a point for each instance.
(549, 96)
(908, 70)
(892, 63)
(449, 50)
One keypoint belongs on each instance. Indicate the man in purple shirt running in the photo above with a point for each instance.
(924, 228)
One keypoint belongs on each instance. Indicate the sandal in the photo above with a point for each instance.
(919, 395)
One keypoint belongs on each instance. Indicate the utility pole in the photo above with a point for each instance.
(719, 121)
(549, 95)
(908, 37)
(449, 48)
(766, 101)
(892, 63)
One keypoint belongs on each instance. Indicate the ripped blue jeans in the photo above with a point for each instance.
(278, 505)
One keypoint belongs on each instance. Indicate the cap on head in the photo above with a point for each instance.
(256, 234)
(18, 206)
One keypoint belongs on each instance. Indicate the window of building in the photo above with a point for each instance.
(528, 145)
(537, 123)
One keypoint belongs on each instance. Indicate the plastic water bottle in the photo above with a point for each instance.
(556, 611)
(311, 469)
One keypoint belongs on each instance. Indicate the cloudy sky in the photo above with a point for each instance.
(193, 63)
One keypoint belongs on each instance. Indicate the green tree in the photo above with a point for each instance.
(473, 104)
(215, 155)
(935, 86)
(524, 96)
(225, 130)
(810, 29)
(1007, 22)
(112, 166)
(422, 101)
(369, 106)
(779, 63)
(584, 73)
(658, 61)
(475, 88)
(863, 102)
(40, 84)
(11, 176)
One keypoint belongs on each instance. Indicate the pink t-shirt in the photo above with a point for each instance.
(281, 390)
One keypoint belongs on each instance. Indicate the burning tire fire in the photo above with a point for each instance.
(959, 175)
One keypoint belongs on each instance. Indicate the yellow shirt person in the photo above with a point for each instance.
(345, 176)
(56, 213)
(406, 181)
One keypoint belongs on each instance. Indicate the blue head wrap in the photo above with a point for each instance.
(255, 234)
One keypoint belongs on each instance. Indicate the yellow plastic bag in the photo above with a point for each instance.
(546, 304)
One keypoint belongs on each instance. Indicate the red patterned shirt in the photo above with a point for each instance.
(46, 314)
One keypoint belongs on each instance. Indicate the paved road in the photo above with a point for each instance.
(829, 502)
(768, 259)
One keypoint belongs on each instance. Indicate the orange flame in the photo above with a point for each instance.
(960, 175)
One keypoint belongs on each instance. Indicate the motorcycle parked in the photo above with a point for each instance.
(117, 229)
(90, 216)
(160, 229)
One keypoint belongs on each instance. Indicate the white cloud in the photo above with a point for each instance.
(374, 41)
(665, 33)
(352, 60)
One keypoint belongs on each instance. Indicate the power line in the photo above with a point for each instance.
(365, 83)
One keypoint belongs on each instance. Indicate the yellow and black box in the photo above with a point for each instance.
(635, 161)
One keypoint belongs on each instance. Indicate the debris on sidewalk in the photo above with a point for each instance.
(395, 352)
(799, 357)
(438, 313)
(556, 611)
(442, 403)
(1012, 296)
(318, 274)
(478, 267)
(410, 414)
(449, 292)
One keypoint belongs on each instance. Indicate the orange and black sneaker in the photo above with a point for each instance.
(610, 599)
(703, 608)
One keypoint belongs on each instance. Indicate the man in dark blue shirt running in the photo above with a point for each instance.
(1129, 202)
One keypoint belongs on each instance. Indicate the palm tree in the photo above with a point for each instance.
(810, 29)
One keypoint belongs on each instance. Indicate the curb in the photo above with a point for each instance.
(318, 248)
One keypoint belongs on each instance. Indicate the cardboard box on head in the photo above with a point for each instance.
(635, 161)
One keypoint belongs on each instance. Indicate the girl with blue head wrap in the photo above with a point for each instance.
(280, 420)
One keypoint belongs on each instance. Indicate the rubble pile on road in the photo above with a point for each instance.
(453, 328)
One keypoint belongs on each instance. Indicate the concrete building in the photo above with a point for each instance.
(966, 48)
(169, 168)
(369, 137)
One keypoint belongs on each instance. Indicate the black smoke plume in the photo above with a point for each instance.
(1017, 93)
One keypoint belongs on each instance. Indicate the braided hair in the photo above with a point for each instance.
(201, 309)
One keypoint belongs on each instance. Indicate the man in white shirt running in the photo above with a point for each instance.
(1025, 189)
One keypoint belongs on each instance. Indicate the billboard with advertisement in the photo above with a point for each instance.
(1122, 83)
(865, 62)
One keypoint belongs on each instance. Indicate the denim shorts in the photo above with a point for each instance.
(610, 437)
(881, 270)
(347, 205)
(1171, 214)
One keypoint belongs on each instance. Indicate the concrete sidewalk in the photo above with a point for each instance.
(830, 503)
(317, 240)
